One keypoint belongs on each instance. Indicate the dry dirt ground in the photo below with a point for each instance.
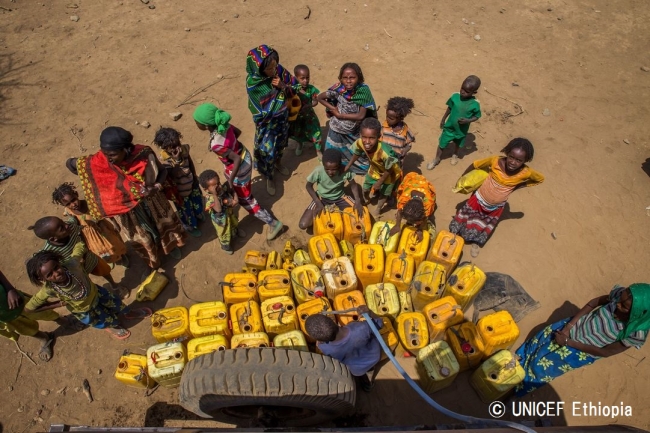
(575, 68)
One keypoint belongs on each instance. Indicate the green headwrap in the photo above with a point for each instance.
(640, 313)
(209, 114)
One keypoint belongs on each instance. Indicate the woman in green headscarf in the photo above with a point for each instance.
(606, 326)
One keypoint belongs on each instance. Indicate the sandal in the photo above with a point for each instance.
(474, 252)
(433, 164)
(454, 160)
(119, 333)
(274, 230)
(45, 354)
(138, 313)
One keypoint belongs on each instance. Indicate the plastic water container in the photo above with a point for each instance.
(329, 222)
(255, 261)
(428, 284)
(207, 344)
(151, 286)
(413, 332)
(239, 287)
(255, 339)
(288, 265)
(446, 250)
(288, 251)
(323, 247)
(356, 229)
(345, 301)
(437, 367)
(301, 257)
(442, 314)
(464, 284)
(246, 317)
(315, 306)
(466, 344)
(382, 299)
(209, 318)
(273, 283)
(497, 376)
(279, 315)
(339, 276)
(405, 302)
(369, 263)
(347, 250)
(165, 363)
(274, 262)
(132, 371)
(307, 283)
(498, 331)
(409, 244)
(293, 340)
(171, 324)
(399, 270)
(380, 235)
(389, 336)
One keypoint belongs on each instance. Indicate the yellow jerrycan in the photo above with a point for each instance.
(315, 306)
(288, 251)
(442, 314)
(405, 302)
(409, 244)
(413, 333)
(329, 221)
(209, 318)
(464, 284)
(446, 250)
(389, 336)
(428, 284)
(497, 376)
(301, 257)
(382, 299)
(254, 339)
(274, 262)
(255, 261)
(132, 371)
(279, 315)
(466, 344)
(346, 301)
(369, 263)
(399, 270)
(347, 250)
(206, 344)
(293, 340)
(307, 283)
(171, 324)
(323, 247)
(356, 229)
(437, 367)
(339, 276)
(288, 265)
(151, 286)
(239, 287)
(271, 284)
(246, 317)
(380, 235)
(166, 362)
(498, 331)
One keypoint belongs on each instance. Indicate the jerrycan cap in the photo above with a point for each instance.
(277, 305)
(444, 371)
(318, 293)
(466, 347)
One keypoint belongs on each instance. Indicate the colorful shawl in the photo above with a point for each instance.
(360, 95)
(111, 189)
(209, 114)
(640, 312)
(264, 100)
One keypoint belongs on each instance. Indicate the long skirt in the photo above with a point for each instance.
(342, 143)
(476, 220)
(190, 209)
(543, 359)
(105, 313)
(306, 129)
(225, 225)
(271, 138)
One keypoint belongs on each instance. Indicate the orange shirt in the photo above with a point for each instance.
(499, 185)
(416, 182)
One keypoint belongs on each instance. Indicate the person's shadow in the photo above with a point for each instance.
(412, 163)
(645, 166)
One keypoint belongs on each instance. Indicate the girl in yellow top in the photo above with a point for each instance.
(476, 220)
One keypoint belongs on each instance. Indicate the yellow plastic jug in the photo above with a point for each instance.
(382, 299)
(413, 332)
(466, 344)
(279, 315)
(442, 314)
(171, 324)
(307, 283)
(428, 284)
(369, 263)
(497, 376)
(301, 257)
(255, 261)
(239, 287)
(437, 367)
(255, 339)
(315, 306)
(399, 270)
(347, 250)
(166, 362)
(409, 244)
(323, 247)
(132, 371)
(206, 344)
(446, 250)
(380, 235)
(498, 331)
(339, 276)
(329, 221)
(271, 284)
(464, 284)
(291, 340)
(389, 336)
(151, 286)
(345, 301)
(209, 318)
(288, 251)
(246, 317)
(274, 262)
(405, 302)
(356, 229)
(288, 265)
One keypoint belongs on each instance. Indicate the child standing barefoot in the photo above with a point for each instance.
(306, 128)
(462, 109)
(219, 205)
(394, 131)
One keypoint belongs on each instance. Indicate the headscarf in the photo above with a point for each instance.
(360, 95)
(640, 312)
(115, 138)
(209, 114)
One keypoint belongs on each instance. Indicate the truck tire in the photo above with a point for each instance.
(276, 387)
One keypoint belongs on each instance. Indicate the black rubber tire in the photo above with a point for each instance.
(292, 387)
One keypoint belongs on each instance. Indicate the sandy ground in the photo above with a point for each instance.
(566, 241)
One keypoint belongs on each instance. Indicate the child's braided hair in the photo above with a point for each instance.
(37, 261)
(66, 188)
(400, 105)
(413, 211)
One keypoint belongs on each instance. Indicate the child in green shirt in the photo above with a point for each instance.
(306, 128)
